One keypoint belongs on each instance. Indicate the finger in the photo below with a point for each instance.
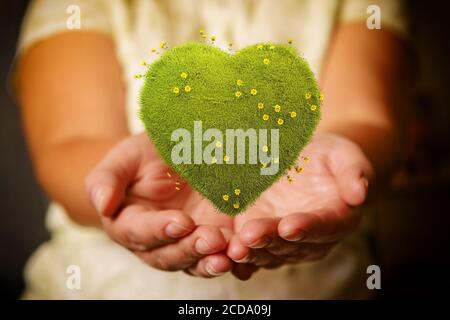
(106, 191)
(280, 247)
(237, 251)
(242, 254)
(263, 258)
(139, 229)
(352, 171)
(307, 252)
(211, 266)
(318, 227)
(283, 249)
(244, 271)
(353, 185)
(205, 240)
(107, 183)
(258, 233)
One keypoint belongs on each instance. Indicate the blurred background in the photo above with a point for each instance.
(413, 218)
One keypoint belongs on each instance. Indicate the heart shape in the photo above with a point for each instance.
(196, 97)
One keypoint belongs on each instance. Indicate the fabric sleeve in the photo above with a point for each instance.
(393, 15)
(45, 18)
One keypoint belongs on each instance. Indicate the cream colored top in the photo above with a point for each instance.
(110, 271)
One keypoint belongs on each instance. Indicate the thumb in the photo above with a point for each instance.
(106, 190)
(352, 171)
(353, 185)
(107, 183)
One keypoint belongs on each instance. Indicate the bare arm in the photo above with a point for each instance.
(72, 100)
(366, 91)
(362, 80)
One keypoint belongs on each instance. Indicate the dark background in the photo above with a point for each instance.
(413, 218)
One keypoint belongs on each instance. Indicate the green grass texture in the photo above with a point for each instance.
(198, 82)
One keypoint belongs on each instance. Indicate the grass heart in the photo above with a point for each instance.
(230, 124)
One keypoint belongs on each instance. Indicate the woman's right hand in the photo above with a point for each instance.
(141, 208)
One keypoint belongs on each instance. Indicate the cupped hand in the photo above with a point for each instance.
(302, 220)
(146, 208)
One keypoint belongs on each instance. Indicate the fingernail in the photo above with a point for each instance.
(245, 259)
(175, 230)
(297, 236)
(100, 199)
(260, 243)
(140, 247)
(365, 182)
(202, 246)
(210, 269)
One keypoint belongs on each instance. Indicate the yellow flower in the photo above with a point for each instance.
(203, 36)
(253, 92)
(293, 114)
(144, 63)
(226, 158)
(259, 46)
(201, 31)
(236, 205)
(306, 159)
(289, 178)
(321, 97)
(153, 50)
(187, 89)
(299, 169)
(277, 108)
(263, 164)
(218, 144)
(265, 148)
(213, 38)
(290, 41)
(260, 105)
(266, 61)
(176, 90)
(265, 117)
(313, 107)
(225, 197)
(237, 191)
(183, 75)
(280, 121)
(238, 94)
(239, 82)
(307, 96)
(163, 45)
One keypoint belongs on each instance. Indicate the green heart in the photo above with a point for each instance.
(199, 82)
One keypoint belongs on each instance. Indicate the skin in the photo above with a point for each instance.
(178, 230)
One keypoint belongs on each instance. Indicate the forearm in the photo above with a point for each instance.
(62, 170)
(365, 87)
(72, 99)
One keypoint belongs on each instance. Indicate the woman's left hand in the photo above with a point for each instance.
(302, 220)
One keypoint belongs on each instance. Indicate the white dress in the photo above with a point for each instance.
(109, 271)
